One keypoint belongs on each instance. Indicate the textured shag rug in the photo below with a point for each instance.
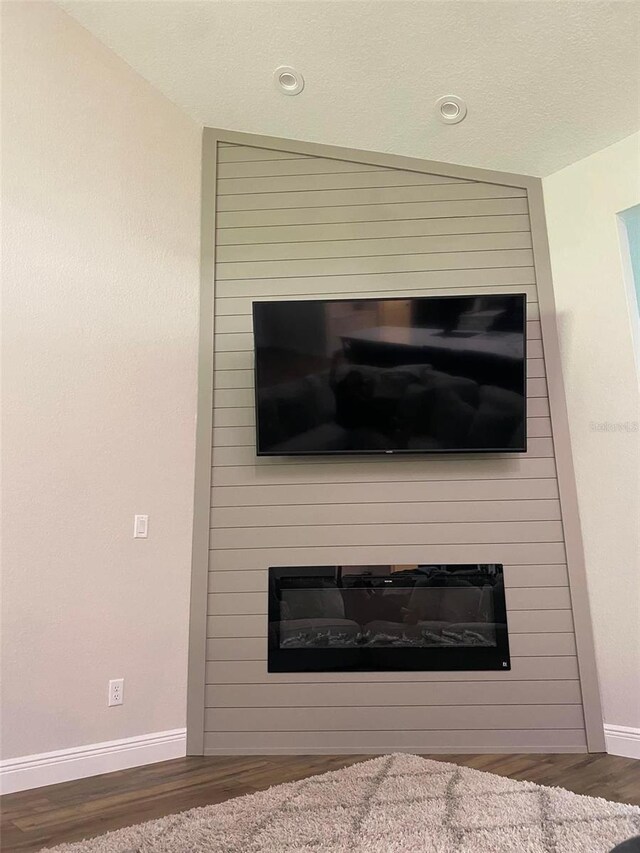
(394, 804)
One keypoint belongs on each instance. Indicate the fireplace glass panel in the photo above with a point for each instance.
(387, 617)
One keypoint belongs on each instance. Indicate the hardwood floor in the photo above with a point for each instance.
(74, 810)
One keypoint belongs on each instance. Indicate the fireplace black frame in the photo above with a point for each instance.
(386, 658)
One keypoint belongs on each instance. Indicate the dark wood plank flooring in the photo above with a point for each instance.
(74, 810)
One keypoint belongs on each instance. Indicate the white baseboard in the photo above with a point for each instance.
(622, 740)
(63, 765)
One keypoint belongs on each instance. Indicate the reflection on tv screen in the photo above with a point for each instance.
(433, 374)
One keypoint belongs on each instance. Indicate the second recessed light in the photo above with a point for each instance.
(450, 109)
(288, 80)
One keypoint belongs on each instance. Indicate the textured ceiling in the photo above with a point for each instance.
(547, 81)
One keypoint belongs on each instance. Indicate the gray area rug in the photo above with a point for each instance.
(394, 804)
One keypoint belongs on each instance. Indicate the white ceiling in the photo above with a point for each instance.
(547, 81)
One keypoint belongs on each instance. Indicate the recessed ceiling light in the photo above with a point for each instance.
(288, 80)
(450, 109)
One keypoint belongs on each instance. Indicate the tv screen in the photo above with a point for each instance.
(437, 374)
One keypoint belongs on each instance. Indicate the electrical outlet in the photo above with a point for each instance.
(116, 691)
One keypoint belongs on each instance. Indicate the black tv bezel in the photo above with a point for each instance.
(439, 659)
(400, 451)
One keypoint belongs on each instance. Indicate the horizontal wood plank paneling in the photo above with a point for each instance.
(519, 279)
(536, 387)
(374, 264)
(525, 553)
(293, 226)
(535, 368)
(266, 235)
(277, 185)
(237, 436)
(345, 198)
(535, 576)
(547, 598)
(360, 493)
(246, 153)
(411, 693)
(390, 246)
(474, 741)
(247, 170)
(238, 416)
(405, 468)
(538, 407)
(375, 212)
(398, 513)
(296, 536)
(426, 718)
(523, 669)
(238, 455)
(550, 621)
(230, 604)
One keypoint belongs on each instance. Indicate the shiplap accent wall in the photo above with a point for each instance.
(293, 226)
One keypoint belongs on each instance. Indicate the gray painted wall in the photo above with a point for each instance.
(290, 225)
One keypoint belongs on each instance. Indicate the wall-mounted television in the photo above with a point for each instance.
(436, 374)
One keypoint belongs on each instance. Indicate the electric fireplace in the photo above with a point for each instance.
(401, 617)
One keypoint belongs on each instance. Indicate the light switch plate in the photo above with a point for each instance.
(140, 526)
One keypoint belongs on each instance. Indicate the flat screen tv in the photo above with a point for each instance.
(437, 374)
